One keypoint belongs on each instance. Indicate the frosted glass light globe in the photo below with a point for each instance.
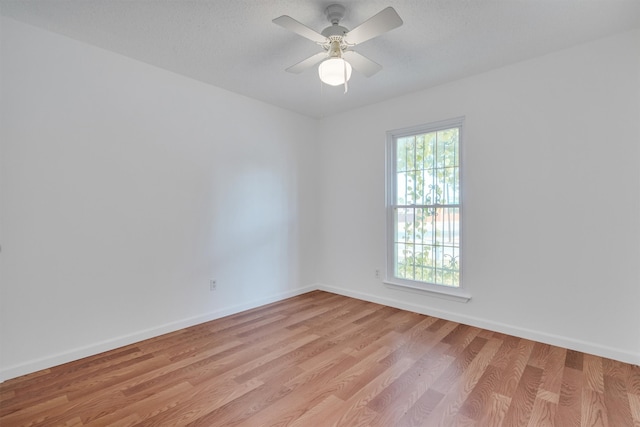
(332, 71)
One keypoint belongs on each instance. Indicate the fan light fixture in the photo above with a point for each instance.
(334, 71)
(337, 41)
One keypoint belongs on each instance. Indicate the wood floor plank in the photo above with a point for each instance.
(355, 410)
(505, 355)
(144, 409)
(552, 374)
(419, 372)
(71, 378)
(634, 405)
(446, 411)
(633, 380)
(478, 398)
(543, 414)
(496, 411)
(515, 368)
(593, 376)
(304, 394)
(421, 409)
(317, 412)
(400, 397)
(36, 414)
(594, 411)
(617, 401)
(459, 366)
(524, 397)
(200, 402)
(574, 360)
(569, 410)
(291, 353)
(324, 359)
(539, 355)
(358, 374)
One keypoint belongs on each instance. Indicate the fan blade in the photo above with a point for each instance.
(384, 21)
(361, 63)
(307, 63)
(291, 24)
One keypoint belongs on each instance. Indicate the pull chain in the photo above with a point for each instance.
(346, 87)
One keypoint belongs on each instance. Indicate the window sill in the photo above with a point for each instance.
(451, 294)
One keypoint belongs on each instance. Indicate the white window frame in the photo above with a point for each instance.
(449, 292)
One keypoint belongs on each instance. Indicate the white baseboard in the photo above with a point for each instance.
(110, 344)
(544, 337)
(99, 347)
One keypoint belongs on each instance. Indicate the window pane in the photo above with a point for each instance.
(427, 235)
(427, 245)
(411, 187)
(401, 188)
(401, 155)
(403, 221)
(447, 141)
(446, 224)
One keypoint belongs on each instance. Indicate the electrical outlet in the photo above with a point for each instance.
(377, 274)
(213, 284)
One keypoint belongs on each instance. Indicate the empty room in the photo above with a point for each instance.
(310, 213)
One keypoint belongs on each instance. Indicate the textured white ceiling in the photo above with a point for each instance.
(234, 45)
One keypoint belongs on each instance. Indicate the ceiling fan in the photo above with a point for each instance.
(338, 57)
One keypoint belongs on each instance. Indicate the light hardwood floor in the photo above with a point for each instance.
(321, 359)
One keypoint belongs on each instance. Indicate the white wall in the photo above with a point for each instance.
(551, 197)
(124, 188)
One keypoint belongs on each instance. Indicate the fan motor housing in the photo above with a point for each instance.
(334, 30)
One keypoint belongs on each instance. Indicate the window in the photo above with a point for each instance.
(424, 207)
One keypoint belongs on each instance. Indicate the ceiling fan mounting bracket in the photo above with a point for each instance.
(335, 13)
